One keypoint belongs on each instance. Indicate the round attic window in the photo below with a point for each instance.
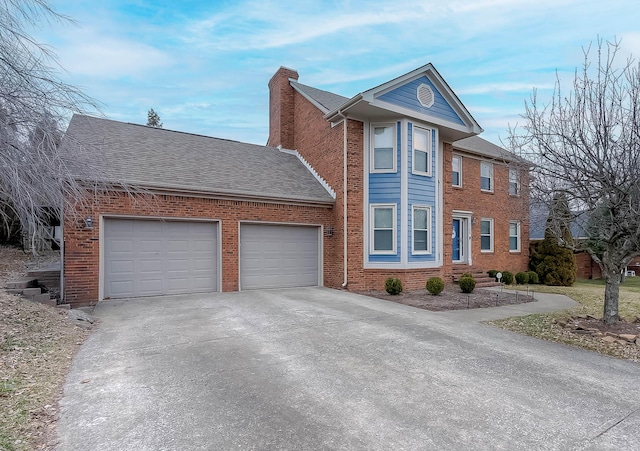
(425, 95)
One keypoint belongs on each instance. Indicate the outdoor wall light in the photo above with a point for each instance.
(474, 220)
(329, 231)
(88, 223)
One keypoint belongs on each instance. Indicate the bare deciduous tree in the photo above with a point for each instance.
(34, 105)
(586, 146)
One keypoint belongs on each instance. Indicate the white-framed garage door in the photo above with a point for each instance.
(155, 257)
(279, 256)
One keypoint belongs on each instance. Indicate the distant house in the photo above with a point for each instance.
(393, 181)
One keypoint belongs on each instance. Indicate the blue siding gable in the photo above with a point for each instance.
(406, 96)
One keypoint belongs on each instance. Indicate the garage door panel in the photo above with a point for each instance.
(273, 256)
(152, 257)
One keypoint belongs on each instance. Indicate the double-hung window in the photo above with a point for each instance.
(514, 182)
(486, 235)
(486, 176)
(383, 148)
(514, 236)
(383, 229)
(421, 222)
(421, 151)
(456, 171)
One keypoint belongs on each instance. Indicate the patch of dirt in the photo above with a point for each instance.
(37, 344)
(595, 325)
(14, 262)
(453, 299)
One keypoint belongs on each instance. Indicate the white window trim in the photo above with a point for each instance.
(459, 157)
(372, 140)
(429, 250)
(372, 229)
(487, 251)
(428, 151)
(518, 236)
(515, 170)
(492, 182)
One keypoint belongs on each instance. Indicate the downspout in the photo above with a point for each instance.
(344, 200)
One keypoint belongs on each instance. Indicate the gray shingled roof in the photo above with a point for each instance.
(480, 146)
(326, 101)
(159, 158)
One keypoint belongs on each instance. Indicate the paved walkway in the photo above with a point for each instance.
(544, 303)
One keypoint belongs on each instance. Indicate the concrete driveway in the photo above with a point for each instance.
(307, 369)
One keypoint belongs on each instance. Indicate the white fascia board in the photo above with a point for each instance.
(306, 96)
(468, 129)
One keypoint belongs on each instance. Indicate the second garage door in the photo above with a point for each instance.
(153, 257)
(277, 256)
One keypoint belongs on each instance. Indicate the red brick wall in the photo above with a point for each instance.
(498, 205)
(81, 246)
(281, 112)
(587, 268)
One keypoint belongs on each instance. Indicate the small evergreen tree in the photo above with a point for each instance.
(153, 119)
(552, 259)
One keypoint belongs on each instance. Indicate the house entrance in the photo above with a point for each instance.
(460, 240)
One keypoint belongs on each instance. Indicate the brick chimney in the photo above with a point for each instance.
(281, 108)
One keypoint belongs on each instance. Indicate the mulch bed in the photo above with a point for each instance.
(453, 299)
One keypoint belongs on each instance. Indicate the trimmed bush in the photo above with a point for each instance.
(492, 273)
(533, 277)
(507, 277)
(467, 283)
(522, 278)
(393, 286)
(435, 285)
(554, 264)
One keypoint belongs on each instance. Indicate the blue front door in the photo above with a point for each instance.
(455, 238)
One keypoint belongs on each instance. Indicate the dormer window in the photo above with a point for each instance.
(383, 149)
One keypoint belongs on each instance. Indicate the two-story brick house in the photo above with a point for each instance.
(424, 195)
(348, 191)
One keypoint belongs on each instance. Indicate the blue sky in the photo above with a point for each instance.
(204, 65)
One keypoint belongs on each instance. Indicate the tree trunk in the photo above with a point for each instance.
(611, 295)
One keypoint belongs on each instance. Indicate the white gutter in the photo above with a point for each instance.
(344, 200)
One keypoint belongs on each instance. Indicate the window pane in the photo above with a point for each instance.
(485, 170)
(419, 218)
(485, 243)
(485, 227)
(513, 229)
(513, 188)
(485, 183)
(383, 218)
(455, 164)
(420, 241)
(383, 137)
(420, 161)
(420, 139)
(383, 240)
(513, 243)
(456, 178)
(383, 158)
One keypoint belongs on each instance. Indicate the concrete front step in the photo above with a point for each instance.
(19, 284)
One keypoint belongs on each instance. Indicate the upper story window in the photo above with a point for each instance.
(383, 229)
(514, 236)
(383, 148)
(456, 171)
(421, 222)
(486, 235)
(486, 176)
(421, 151)
(514, 182)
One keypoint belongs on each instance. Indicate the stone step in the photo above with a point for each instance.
(22, 283)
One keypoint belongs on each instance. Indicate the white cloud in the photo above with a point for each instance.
(502, 87)
(97, 55)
